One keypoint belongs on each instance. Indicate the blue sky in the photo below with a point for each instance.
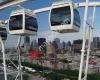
(43, 19)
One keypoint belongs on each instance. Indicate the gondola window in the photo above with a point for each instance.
(60, 16)
(15, 22)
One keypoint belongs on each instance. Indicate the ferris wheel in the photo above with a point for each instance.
(63, 18)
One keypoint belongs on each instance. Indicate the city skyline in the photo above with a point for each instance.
(50, 55)
(44, 30)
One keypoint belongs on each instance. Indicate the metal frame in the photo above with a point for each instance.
(6, 5)
(91, 29)
(11, 3)
(19, 75)
(4, 59)
(19, 60)
(76, 5)
(84, 41)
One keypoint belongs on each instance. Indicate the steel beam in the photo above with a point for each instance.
(11, 3)
(77, 5)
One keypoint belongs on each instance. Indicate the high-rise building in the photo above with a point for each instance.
(50, 48)
(41, 41)
(42, 45)
(64, 47)
(57, 41)
(27, 43)
(34, 45)
(77, 46)
(54, 43)
(57, 45)
(96, 42)
(69, 46)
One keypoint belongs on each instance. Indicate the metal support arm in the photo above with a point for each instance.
(84, 41)
(4, 59)
(89, 43)
(76, 5)
(13, 2)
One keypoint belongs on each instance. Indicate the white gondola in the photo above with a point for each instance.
(3, 33)
(23, 22)
(64, 18)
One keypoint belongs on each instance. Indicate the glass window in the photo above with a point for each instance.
(16, 22)
(30, 23)
(3, 33)
(60, 16)
(4, 36)
(76, 18)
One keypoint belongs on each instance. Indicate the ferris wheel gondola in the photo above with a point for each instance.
(3, 33)
(64, 18)
(23, 22)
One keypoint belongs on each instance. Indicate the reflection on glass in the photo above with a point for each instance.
(60, 16)
(30, 23)
(76, 18)
(15, 22)
(3, 33)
